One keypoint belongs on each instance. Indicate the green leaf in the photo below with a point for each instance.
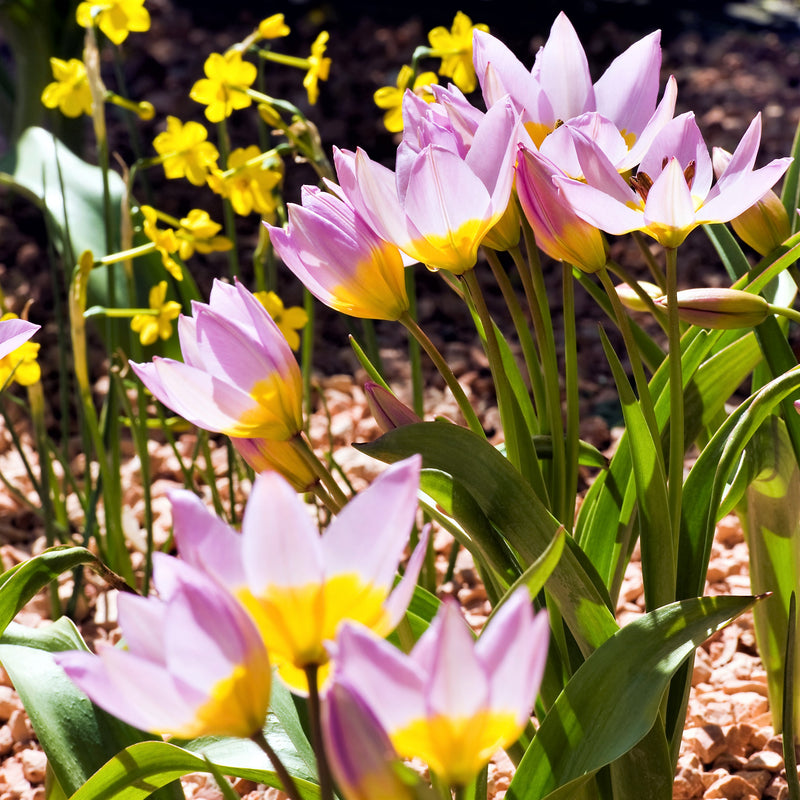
(790, 196)
(21, 583)
(138, 770)
(614, 698)
(770, 515)
(77, 737)
(789, 688)
(514, 510)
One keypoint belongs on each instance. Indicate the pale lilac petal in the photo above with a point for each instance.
(398, 601)
(564, 72)
(458, 685)
(370, 533)
(142, 620)
(463, 116)
(669, 202)
(600, 172)
(195, 395)
(661, 116)
(559, 146)
(204, 540)
(681, 139)
(280, 545)
(13, 333)
(744, 157)
(513, 651)
(598, 208)
(627, 91)
(742, 192)
(387, 680)
(187, 336)
(507, 74)
(493, 150)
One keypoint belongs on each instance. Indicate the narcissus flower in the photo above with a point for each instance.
(70, 91)
(671, 193)
(151, 327)
(452, 701)
(441, 202)
(273, 27)
(319, 67)
(454, 47)
(239, 376)
(390, 98)
(300, 586)
(185, 151)
(340, 259)
(289, 320)
(197, 231)
(195, 664)
(764, 225)
(165, 241)
(224, 89)
(116, 18)
(559, 231)
(559, 89)
(250, 181)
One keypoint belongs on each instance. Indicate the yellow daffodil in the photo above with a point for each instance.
(273, 27)
(318, 67)
(249, 181)
(198, 231)
(164, 239)
(185, 151)
(116, 18)
(390, 98)
(70, 90)
(152, 326)
(454, 47)
(289, 320)
(224, 88)
(20, 365)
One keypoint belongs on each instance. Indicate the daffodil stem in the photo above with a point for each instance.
(227, 208)
(676, 433)
(289, 786)
(314, 713)
(410, 324)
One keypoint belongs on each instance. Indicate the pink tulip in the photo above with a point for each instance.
(195, 663)
(13, 333)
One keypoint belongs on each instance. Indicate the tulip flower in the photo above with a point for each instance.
(559, 88)
(559, 231)
(195, 663)
(282, 457)
(441, 202)
(722, 309)
(340, 259)
(452, 701)
(299, 586)
(671, 193)
(239, 376)
(362, 759)
(765, 224)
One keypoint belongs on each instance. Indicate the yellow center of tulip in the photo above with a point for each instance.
(296, 621)
(457, 748)
(455, 250)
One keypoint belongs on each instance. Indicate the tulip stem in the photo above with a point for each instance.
(289, 786)
(306, 452)
(323, 770)
(789, 313)
(676, 434)
(410, 324)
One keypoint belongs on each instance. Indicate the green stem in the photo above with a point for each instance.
(676, 434)
(303, 448)
(289, 786)
(572, 397)
(467, 410)
(523, 330)
(227, 209)
(414, 351)
(789, 313)
(652, 264)
(323, 769)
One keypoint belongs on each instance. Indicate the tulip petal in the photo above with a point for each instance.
(13, 333)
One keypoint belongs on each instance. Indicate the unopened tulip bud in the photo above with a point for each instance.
(722, 309)
(362, 759)
(631, 299)
(765, 224)
(388, 411)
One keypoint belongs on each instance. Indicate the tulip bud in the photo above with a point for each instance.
(362, 759)
(722, 309)
(764, 225)
(632, 300)
(388, 411)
